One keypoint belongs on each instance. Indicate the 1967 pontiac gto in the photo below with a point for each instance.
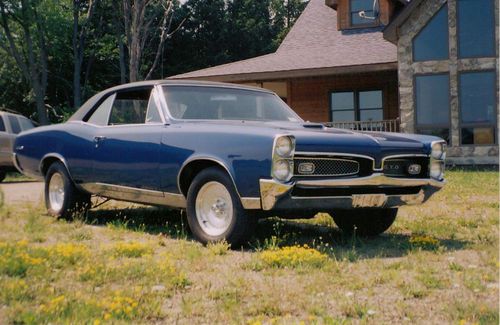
(227, 154)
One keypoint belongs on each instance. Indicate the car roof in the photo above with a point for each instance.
(89, 104)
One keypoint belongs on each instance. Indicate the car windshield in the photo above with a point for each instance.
(218, 103)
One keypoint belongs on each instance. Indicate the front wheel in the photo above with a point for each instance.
(214, 209)
(62, 198)
(364, 222)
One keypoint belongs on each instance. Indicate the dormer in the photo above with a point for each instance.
(352, 14)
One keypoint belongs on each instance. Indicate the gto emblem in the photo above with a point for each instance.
(414, 169)
(306, 168)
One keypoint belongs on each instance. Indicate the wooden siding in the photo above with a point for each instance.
(310, 97)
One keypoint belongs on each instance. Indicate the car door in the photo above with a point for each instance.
(7, 138)
(126, 150)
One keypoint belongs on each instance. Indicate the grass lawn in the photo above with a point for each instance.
(16, 177)
(125, 263)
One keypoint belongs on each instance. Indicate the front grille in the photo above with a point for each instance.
(349, 191)
(325, 167)
(408, 167)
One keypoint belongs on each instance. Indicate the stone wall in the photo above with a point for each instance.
(466, 154)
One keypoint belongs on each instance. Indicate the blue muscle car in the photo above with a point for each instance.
(227, 154)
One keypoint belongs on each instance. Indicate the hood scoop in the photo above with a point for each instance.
(313, 126)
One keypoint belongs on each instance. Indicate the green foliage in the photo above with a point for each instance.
(212, 32)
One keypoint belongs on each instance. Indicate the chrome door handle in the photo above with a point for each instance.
(98, 139)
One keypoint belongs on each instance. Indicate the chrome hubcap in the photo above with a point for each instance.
(214, 208)
(56, 192)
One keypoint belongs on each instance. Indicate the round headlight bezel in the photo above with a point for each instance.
(438, 150)
(436, 170)
(284, 147)
(282, 170)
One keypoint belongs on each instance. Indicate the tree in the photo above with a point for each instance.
(142, 19)
(23, 36)
(81, 28)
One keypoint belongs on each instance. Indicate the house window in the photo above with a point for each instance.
(432, 41)
(476, 28)
(477, 96)
(357, 6)
(357, 106)
(432, 97)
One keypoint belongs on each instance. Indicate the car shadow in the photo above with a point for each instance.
(273, 232)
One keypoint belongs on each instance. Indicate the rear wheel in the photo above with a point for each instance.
(62, 198)
(214, 210)
(364, 222)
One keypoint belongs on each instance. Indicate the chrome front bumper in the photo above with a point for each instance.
(278, 196)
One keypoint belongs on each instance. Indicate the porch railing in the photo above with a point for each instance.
(378, 126)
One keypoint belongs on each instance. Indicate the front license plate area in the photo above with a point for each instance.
(369, 200)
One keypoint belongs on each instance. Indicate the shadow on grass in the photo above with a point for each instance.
(269, 232)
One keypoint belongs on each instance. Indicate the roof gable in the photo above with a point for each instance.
(313, 43)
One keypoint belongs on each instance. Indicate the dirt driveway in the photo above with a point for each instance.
(22, 192)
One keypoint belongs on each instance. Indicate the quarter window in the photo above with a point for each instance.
(358, 6)
(25, 123)
(357, 106)
(476, 28)
(432, 41)
(2, 125)
(432, 97)
(477, 98)
(14, 124)
(101, 114)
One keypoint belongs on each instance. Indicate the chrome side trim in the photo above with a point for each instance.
(377, 179)
(271, 191)
(132, 194)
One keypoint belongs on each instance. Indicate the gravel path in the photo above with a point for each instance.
(22, 192)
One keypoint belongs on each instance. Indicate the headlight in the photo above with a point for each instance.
(438, 150)
(284, 146)
(282, 170)
(437, 170)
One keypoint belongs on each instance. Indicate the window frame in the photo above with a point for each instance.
(492, 124)
(2, 122)
(375, 23)
(425, 26)
(493, 40)
(357, 110)
(416, 125)
(153, 93)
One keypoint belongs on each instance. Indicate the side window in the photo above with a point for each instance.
(153, 113)
(2, 125)
(14, 124)
(101, 114)
(25, 123)
(130, 107)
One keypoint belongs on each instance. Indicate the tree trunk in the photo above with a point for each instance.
(77, 67)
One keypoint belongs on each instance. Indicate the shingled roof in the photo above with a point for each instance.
(313, 47)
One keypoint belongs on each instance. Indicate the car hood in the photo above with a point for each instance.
(315, 137)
